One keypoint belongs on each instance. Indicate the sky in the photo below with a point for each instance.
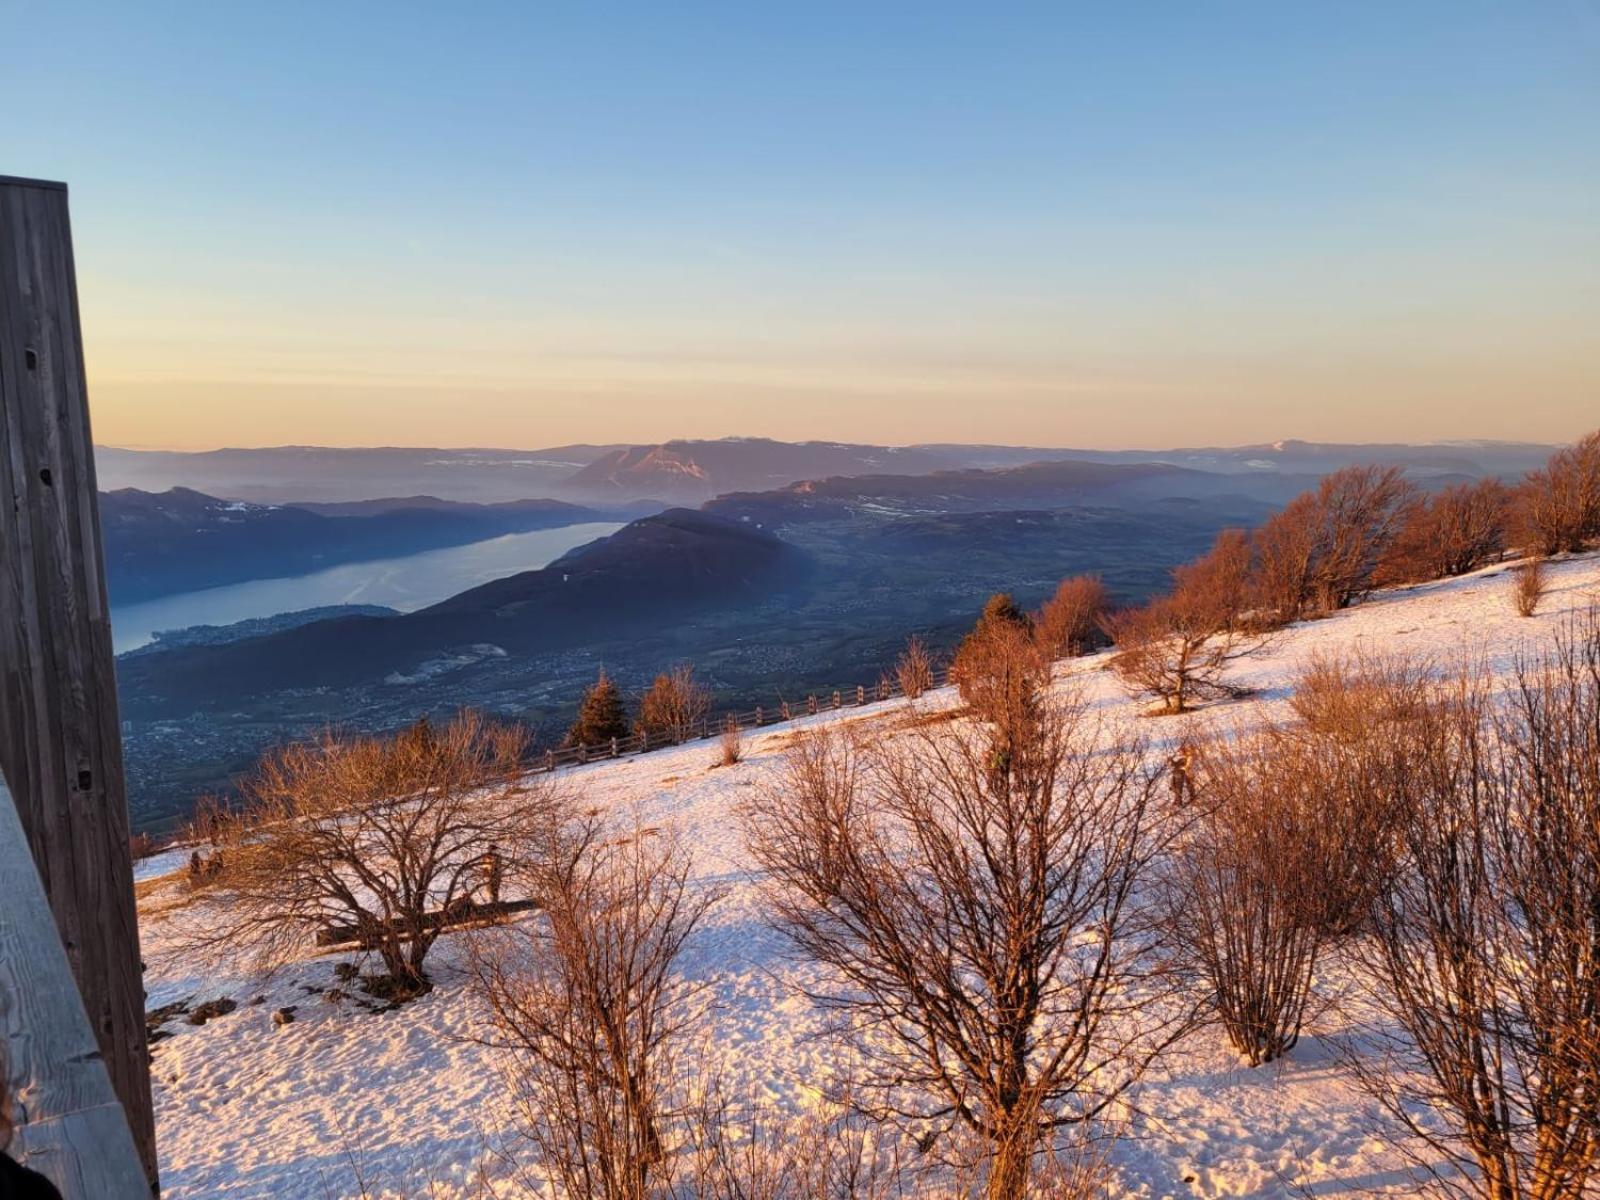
(1102, 225)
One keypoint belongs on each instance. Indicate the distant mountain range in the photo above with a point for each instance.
(1047, 485)
(181, 540)
(691, 471)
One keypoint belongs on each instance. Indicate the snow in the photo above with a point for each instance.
(403, 1101)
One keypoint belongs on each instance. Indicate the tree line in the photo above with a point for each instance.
(1361, 528)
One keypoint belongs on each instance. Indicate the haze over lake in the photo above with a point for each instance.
(407, 584)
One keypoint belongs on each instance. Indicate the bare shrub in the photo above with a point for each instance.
(1345, 696)
(1177, 648)
(1484, 948)
(751, 1150)
(730, 744)
(674, 708)
(142, 845)
(1528, 586)
(1360, 714)
(1456, 530)
(1558, 508)
(1069, 623)
(913, 670)
(1241, 893)
(381, 835)
(587, 1001)
(978, 926)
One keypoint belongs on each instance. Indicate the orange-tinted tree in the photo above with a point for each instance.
(1321, 552)
(998, 665)
(1069, 623)
(1558, 507)
(1457, 530)
(601, 716)
(674, 708)
(1177, 647)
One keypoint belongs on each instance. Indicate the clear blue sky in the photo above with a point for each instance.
(1140, 224)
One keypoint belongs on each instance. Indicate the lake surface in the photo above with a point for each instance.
(407, 584)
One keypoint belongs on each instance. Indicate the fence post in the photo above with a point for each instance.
(613, 746)
(549, 760)
(758, 716)
(861, 695)
(811, 704)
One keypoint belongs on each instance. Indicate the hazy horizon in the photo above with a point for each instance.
(1052, 225)
(738, 437)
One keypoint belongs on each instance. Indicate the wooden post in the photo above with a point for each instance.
(60, 742)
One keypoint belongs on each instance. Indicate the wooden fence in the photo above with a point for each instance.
(760, 717)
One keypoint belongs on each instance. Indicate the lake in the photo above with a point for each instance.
(407, 584)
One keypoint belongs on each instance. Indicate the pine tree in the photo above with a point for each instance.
(601, 715)
(1002, 610)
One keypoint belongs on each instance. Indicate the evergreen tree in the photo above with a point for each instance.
(1002, 611)
(601, 716)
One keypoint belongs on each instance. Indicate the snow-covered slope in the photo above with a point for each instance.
(401, 1101)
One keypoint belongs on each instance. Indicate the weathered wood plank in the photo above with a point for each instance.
(60, 743)
(70, 1127)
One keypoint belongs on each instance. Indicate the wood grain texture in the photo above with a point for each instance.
(60, 741)
(70, 1127)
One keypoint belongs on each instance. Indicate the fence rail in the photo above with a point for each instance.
(759, 717)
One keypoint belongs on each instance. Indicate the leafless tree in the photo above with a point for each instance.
(987, 959)
(1178, 647)
(588, 1002)
(1528, 586)
(1284, 573)
(675, 707)
(1069, 623)
(380, 835)
(1486, 948)
(1456, 530)
(1558, 507)
(914, 668)
(1362, 510)
(1322, 551)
